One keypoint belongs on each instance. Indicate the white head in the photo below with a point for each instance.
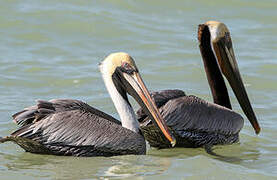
(121, 76)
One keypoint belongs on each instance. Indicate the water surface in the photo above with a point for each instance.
(51, 49)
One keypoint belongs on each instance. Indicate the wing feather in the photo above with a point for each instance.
(194, 114)
(70, 127)
(161, 98)
(45, 108)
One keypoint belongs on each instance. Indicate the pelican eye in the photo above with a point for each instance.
(127, 68)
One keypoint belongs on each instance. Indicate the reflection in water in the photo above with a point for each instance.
(128, 166)
(154, 163)
(236, 154)
(60, 167)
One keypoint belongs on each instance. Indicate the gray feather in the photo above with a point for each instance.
(161, 98)
(71, 127)
(194, 123)
(192, 113)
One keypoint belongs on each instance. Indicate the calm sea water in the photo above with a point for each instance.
(51, 49)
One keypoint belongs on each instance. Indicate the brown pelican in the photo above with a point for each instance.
(73, 128)
(196, 122)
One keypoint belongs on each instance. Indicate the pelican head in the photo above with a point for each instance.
(121, 76)
(218, 36)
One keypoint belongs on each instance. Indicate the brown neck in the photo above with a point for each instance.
(214, 76)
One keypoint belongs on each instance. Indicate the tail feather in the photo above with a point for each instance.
(2, 140)
(27, 144)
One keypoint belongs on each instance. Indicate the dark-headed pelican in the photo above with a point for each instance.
(73, 128)
(196, 122)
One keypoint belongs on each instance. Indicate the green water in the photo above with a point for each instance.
(51, 49)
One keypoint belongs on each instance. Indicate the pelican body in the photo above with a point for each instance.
(73, 128)
(196, 122)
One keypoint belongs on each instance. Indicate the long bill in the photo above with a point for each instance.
(136, 88)
(227, 61)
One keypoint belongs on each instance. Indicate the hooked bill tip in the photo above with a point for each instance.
(173, 143)
(257, 130)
